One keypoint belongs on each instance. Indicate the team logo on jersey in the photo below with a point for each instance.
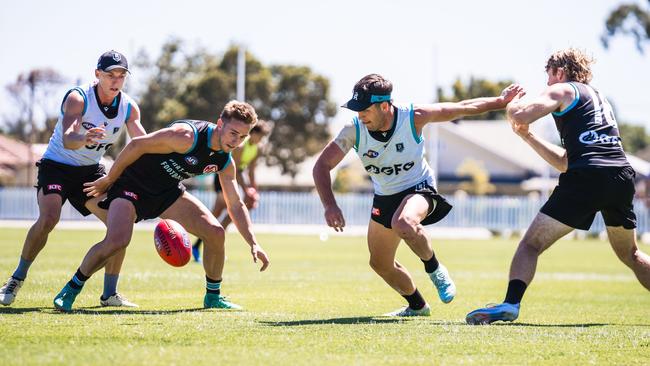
(87, 125)
(399, 146)
(371, 154)
(391, 169)
(54, 187)
(192, 160)
(376, 211)
(130, 194)
(592, 137)
(210, 169)
(115, 130)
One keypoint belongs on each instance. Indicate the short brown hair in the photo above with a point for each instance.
(374, 84)
(240, 111)
(262, 127)
(575, 63)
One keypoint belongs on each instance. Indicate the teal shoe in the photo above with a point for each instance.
(444, 284)
(505, 312)
(214, 301)
(64, 300)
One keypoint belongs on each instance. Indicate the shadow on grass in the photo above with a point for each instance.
(578, 325)
(5, 310)
(100, 310)
(351, 321)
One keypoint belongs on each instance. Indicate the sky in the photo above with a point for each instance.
(418, 45)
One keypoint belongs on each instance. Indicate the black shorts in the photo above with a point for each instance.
(68, 181)
(147, 205)
(384, 207)
(217, 183)
(582, 192)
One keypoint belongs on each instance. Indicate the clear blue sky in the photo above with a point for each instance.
(417, 44)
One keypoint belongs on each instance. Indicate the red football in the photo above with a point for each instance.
(172, 243)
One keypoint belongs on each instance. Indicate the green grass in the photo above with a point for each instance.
(319, 304)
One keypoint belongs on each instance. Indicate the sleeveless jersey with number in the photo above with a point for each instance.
(92, 116)
(397, 164)
(159, 172)
(589, 131)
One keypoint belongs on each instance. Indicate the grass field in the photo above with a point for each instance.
(319, 303)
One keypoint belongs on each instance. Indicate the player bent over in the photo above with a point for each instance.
(92, 119)
(145, 183)
(388, 139)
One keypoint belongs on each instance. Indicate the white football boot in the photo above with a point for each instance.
(9, 291)
(117, 300)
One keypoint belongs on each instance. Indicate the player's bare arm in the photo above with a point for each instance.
(522, 113)
(73, 138)
(441, 112)
(239, 214)
(329, 158)
(176, 138)
(556, 97)
(133, 125)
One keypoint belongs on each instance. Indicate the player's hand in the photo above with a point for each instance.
(251, 197)
(258, 253)
(521, 129)
(334, 218)
(96, 188)
(95, 134)
(512, 91)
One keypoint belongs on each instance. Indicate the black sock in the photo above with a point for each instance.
(430, 265)
(197, 243)
(415, 300)
(516, 289)
(212, 286)
(78, 280)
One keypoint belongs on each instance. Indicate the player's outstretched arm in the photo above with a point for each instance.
(328, 159)
(449, 111)
(176, 138)
(239, 214)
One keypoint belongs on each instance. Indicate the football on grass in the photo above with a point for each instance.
(172, 243)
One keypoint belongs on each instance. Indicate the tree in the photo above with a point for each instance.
(476, 88)
(32, 95)
(198, 84)
(634, 137)
(628, 19)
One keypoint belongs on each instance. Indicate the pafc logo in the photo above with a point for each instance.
(355, 96)
(399, 146)
(371, 154)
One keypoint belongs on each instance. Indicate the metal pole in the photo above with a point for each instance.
(241, 73)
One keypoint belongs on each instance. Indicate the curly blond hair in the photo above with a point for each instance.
(575, 63)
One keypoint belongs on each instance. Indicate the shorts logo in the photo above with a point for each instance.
(210, 169)
(54, 187)
(399, 146)
(371, 154)
(192, 160)
(87, 125)
(130, 194)
(376, 211)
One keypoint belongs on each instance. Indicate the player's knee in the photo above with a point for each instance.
(117, 241)
(530, 246)
(404, 227)
(215, 234)
(380, 267)
(47, 221)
